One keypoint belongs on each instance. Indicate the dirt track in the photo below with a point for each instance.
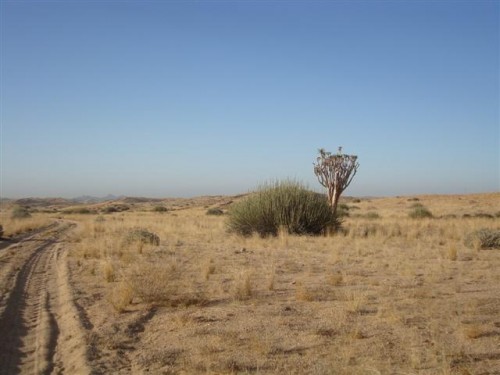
(41, 332)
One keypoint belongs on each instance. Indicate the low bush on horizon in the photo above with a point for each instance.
(285, 205)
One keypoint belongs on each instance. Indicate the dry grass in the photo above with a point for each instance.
(14, 227)
(387, 295)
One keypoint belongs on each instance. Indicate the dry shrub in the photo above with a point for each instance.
(483, 239)
(121, 296)
(163, 284)
(154, 283)
(420, 212)
(20, 212)
(243, 287)
(142, 236)
(208, 269)
(452, 252)
(215, 212)
(271, 278)
(109, 272)
(335, 279)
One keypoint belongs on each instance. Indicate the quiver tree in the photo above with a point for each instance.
(335, 172)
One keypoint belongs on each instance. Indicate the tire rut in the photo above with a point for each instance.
(31, 320)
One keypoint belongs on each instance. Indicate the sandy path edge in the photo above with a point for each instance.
(71, 345)
(41, 331)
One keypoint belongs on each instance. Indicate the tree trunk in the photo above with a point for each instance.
(334, 195)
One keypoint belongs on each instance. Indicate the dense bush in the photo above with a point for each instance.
(20, 212)
(420, 212)
(483, 239)
(288, 205)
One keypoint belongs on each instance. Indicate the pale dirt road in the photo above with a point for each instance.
(40, 330)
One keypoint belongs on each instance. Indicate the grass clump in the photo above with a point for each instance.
(279, 206)
(483, 239)
(420, 212)
(20, 212)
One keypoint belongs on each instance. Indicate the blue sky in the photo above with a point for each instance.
(184, 98)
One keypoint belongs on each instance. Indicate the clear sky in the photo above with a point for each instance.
(183, 98)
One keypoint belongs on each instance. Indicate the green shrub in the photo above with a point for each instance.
(288, 205)
(483, 239)
(20, 212)
(143, 236)
(420, 213)
(215, 211)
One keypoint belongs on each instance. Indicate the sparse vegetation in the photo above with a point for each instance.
(347, 301)
(286, 205)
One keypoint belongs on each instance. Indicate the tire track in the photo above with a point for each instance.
(30, 326)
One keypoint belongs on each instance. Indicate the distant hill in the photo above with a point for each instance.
(90, 199)
(42, 202)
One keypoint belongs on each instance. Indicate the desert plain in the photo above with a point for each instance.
(127, 287)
